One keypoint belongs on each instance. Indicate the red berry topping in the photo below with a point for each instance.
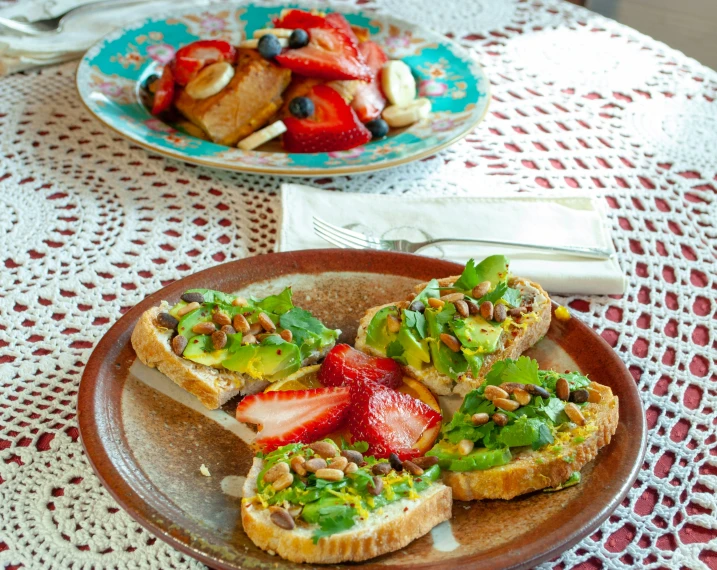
(346, 366)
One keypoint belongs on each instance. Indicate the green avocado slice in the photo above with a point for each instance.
(477, 460)
(271, 360)
(377, 334)
(476, 333)
(416, 351)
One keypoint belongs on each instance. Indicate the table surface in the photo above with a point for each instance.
(90, 224)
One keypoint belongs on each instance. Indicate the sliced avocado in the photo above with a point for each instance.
(377, 334)
(188, 321)
(493, 269)
(479, 459)
(271, 360)
(432, 289)
(446, 361)
(201, 350)
(476, 333)
(416, 351)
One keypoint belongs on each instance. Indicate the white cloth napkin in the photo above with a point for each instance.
(562, 220)
(82, 29)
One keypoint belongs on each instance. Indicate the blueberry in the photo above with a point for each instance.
(301, 107)
(298, 39)
(378, 128)
(269, 46)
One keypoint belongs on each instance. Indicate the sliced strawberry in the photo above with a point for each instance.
(295, 19)
(294, 416)
(389, 421)
(333, 126)
(190, 59)
(331, 54)
(164, 94)
(338, 21)
(346, 366)
(369, 101)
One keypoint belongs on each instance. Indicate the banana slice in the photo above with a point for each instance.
(260, 137)
(278, 32)
(402, 116)
(210, 80)
(254, 44)
(398, 83)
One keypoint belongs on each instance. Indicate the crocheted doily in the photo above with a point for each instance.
(90, 224)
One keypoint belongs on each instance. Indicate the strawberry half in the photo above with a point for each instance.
(333, 126)
(294, 416)
(389, 421)
(346, 366)
(295, 19)
(190, 59)
(330, 54)
(369, 101)
(338, 21)
(164, 94)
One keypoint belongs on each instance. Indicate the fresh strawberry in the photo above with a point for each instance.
(164, 94)
(346, 366)
(333, 125)
(300, 19)
(331, 54)
(389, 421)
(338, 21)
(294, 416)
(190, 59)
(369, 101)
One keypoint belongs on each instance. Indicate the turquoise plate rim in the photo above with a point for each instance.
(478, 112)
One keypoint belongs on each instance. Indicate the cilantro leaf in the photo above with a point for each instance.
(545, 436)
(469, 277)
(307, 331)
(549, 379)
(277, 304)
(417, 321)
(430, 290)
(395, 350)
(524, 370)
(512, 297)
(553, 409)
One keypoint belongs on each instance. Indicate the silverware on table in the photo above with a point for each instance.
(54, 25)
(349, 239)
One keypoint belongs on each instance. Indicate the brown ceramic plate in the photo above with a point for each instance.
(147, 448)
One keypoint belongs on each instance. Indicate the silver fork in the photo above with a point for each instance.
(54, 25)
(349, 239)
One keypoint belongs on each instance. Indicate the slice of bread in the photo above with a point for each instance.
(212, 386)
(385, 530)
(547, 467)
(538, 323)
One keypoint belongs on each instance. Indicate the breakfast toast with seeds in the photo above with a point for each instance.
(524, 430)
(454, 329)
(350, 516)
(216, 345)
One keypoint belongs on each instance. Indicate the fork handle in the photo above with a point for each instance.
(588, 252)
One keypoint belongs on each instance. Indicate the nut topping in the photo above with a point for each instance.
(179, 343)
(240, 302)
(298, 464)
(219, 340)
(241, 324)
(204, 328)
(377, 487)
(221, 319)
(493, 392)
(393, 323)
(249, 339)
(486, 310)
(351, 468)
(452, 297)
(339, 462)
(435, 303)
(330, 474)
(461, 308)
(167, 321)
(522, 397)
(574, 414)
(228, 329)
(314, 464)
(451, 342)
(579, 396)
(324, 449)
(382, 468)
(276, 471)
(480, 419)
(562, 389)
(500, 419)
(266, 323)
(287, 335)
(517, 312)
(412, 468)
(504, 404)
(281, 518)
(465, 446)
(395, 462)
(192, 298)
(352, 455)
(417, 306)
(481, 289)
(594, 397)
(187, 309)
(283, 481)
(499, 313)
(426, 461)
(473, 309)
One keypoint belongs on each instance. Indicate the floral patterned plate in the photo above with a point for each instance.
(111, 72)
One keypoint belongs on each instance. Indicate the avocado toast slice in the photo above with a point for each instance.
(310, 504)
(216, 345)
(523, 430)
(452, 330)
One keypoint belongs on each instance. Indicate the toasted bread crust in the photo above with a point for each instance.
(534, 470)
(354, 545)
(513, 347)
(152, 345)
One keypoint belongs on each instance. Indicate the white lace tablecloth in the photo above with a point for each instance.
(90, 224)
